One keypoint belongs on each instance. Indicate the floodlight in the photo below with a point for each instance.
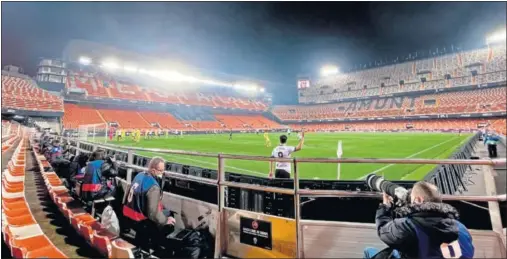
(176, 76)
(262, 90)
(130, 69)
(85, 60)
(496, 37)
(110, 65)
(328, 70)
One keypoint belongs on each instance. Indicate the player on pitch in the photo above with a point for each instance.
(283, 169)
(266, 139)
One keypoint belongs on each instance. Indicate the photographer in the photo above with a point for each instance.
(76, 169)
(425, 228)
(98, 179)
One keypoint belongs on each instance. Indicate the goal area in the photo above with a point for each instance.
(94, 132)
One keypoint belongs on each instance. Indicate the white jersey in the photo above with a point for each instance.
(283, 151)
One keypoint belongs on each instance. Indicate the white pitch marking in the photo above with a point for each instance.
(413, 155)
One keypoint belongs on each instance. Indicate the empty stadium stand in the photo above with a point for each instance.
(88, 83)
(165, 120)
(451, 70)
(10, 134)
(80, 115)
(52, 123)
(402, 125)
(23, 94)
(125, 118)
(184, 118)
(474, 101)
(96, 84)
(21, 232)
(195, 113)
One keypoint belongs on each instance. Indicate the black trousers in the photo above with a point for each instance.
(280, 173)
(492, 151)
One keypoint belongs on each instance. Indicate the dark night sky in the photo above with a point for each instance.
(272, 41)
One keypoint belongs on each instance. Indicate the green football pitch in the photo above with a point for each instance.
(321, 145)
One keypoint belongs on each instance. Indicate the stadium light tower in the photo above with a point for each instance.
(497, 37)
(85, 60)
(329, 70)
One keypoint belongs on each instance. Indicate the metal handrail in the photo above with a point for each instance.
(337, 193)
(174, 175)
(221, 181)
(492, 162)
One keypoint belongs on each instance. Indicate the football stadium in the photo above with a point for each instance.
(114, 153)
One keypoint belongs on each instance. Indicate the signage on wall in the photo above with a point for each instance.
(256, 233)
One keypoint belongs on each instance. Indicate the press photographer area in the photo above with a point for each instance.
(218, 213)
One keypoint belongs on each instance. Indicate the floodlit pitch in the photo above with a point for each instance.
(357, 145)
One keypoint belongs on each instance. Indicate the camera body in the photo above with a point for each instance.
(400, 195)
(109, 168)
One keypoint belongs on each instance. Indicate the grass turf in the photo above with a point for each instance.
(355, 145)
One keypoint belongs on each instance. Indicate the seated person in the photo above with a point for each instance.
(144, 207)
(426, 228)
(46, 145)
(77, 169)
(56, 151)
(98, 179)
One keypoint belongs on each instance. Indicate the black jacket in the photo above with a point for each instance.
(437, 220)
(61, 167)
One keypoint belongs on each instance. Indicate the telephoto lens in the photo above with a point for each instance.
(377, 183)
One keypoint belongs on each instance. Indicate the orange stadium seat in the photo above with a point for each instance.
(165, 120)
(351, 85)
(231, 122)
(107, 243)
(101, 85)
(22, 235)
(24, 94)
(126, 119)
(205, 125)
(480, 100)
(76, 115)
(124, 91)
(87, 82)
(432, 125)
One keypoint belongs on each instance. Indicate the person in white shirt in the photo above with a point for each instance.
(283, 169)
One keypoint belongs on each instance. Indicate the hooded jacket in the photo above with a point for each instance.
(427, 230)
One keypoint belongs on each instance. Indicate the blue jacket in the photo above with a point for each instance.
(491, 139)
(428, 230)
(144, 200)
(92, 180)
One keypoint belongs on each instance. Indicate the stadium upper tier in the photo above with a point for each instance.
(102, 86)
(475, 101)
(497, 125)
(76, 115)
(489, 64)
(23, 94)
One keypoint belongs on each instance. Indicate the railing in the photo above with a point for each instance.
(449, 178)
(297, 230)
